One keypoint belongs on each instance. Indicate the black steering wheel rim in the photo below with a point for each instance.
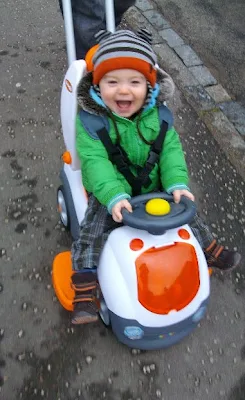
(180, 214)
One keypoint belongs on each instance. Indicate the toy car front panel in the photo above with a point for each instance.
(135, 335)
(118, 277)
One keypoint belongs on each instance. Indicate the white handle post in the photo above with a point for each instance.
(69, 31)
(69, 28)
(110, 15)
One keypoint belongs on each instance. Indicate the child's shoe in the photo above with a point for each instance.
(218, 257)
(85, 306)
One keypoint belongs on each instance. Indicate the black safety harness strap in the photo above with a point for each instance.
(119, 158)
(117, 155)
(143, 178)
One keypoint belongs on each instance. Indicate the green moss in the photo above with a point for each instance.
(212, 110)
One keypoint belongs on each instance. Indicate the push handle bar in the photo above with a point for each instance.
(69, 28)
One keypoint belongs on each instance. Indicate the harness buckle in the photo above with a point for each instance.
(153, 157)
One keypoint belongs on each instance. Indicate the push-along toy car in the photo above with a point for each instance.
(153, 276)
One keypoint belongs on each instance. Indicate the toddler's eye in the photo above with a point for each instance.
(135, 82)
(112, 82)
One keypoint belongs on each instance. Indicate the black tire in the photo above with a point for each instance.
(66, 221)
(105, 321)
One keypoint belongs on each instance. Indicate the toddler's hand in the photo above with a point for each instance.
(116, 210)
(178, 193)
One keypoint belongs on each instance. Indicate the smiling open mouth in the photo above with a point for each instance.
(123, 104)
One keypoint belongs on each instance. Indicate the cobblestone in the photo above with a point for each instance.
(171, 37)
(218, 93)
(188, 56)
(203, 75)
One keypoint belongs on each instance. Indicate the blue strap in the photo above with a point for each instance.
(165, 115)
(93, 123)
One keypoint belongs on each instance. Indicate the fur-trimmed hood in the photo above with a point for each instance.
(86, 102)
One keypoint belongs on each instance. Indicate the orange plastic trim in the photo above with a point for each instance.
(61, 277)
(184, 234)
(66, 157)
(136, 244)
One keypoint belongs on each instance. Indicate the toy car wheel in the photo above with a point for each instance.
(104, 313)
(62, 207)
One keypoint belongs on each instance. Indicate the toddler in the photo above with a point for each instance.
(127, 145)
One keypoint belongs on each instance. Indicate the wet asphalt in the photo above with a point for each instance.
(215, 30)
(42, 355)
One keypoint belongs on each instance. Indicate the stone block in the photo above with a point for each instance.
(236, 114)
(144, 5)
(156, 19)
(188, 56)
(169, 60)
(218, 93)
(171, 37)
(137, 20)
(228, 138)
(198, 98)
(203, 75)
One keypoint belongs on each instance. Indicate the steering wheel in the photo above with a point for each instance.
(180, 214)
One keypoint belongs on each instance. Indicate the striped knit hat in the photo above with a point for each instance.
(122, 49)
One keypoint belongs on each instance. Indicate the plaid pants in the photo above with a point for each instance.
(95, 229)
(98, 224)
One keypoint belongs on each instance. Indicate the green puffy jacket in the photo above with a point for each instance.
(102, 178)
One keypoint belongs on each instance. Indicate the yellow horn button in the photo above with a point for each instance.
(157, 207)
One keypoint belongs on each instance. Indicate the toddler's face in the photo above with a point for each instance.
(123, 91)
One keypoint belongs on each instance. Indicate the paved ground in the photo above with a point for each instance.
(215, 29)
(224, 117)
(42, 355)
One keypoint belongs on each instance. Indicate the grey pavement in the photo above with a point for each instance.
(42, 355)
(215, 30)
(224, 116)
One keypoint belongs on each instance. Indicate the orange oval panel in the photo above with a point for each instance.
(168, 277)
(66, 157)
(184, 234)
